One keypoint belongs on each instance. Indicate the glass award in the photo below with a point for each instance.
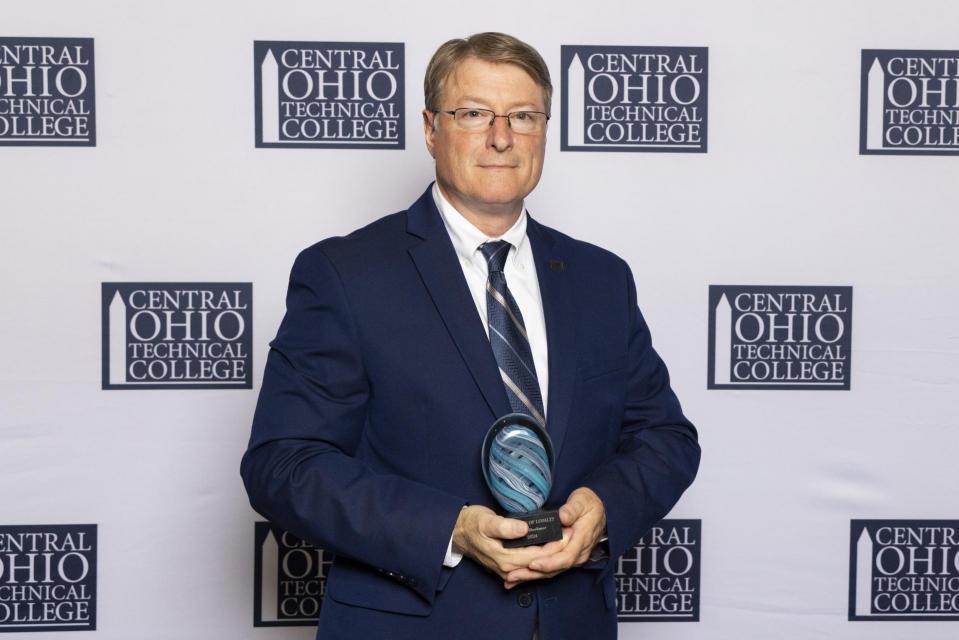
(517, 462)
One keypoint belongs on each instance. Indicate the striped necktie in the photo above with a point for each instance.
(507, 337)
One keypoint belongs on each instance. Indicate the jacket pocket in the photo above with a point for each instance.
(598, 368)
(357, 585)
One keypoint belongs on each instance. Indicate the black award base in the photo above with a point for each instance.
(544, 526)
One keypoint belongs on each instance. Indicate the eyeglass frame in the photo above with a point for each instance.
(495, 115)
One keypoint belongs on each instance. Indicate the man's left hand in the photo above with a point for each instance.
(583, 518)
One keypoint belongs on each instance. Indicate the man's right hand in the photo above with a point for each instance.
(478, 534)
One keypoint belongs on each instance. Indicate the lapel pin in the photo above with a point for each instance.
(557, 265)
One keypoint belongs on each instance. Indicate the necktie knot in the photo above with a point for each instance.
(495, 252)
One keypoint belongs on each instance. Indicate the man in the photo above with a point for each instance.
(404, 341)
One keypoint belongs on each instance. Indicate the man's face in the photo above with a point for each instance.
(492, 170)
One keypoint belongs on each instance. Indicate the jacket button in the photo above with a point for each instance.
(524, 599)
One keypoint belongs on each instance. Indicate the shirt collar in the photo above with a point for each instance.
(466, 237)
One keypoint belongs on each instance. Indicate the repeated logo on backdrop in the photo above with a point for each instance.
(777, 337)
(48, 577)
(186, 335)
(634, 98)
(658, 579)
(346, 95)
(47, 92)
(909, 102)
(289, 578)
(904, 570)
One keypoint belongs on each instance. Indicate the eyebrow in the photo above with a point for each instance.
(516, 106)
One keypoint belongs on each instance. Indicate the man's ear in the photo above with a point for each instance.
(429, 129)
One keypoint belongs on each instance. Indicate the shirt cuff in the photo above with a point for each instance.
(452, 558)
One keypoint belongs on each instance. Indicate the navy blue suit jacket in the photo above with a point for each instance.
(378, 391)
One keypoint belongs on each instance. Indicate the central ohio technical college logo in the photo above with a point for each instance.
(658, 579)
(289, 579)
(48, 578)
(344, 95)
(779, 337)
(634, 98)
(47, 92)
(190, 335)
(904, 570)
(909, 102)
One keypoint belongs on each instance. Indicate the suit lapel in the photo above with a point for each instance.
(442, 274)
(556, 291)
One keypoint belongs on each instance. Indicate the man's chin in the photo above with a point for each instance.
(499, 193)
(500, 201)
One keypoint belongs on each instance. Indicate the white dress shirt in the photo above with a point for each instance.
(520, 272)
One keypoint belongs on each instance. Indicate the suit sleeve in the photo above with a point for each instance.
(658, 452)
(300, 469)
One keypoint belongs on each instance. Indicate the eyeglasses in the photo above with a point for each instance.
(522, 122)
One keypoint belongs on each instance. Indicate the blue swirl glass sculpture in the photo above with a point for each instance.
(517, 463)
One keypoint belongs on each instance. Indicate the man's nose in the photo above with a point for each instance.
(500, 135)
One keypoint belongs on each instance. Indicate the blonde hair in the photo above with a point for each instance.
(491, 47)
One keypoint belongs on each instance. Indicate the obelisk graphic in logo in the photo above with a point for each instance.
(722, 341)
(864, 574)
(270, 98)
(576, 102)
(875, 94)
(118, 339)
(269, 578)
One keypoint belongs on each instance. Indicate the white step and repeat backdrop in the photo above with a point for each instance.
(766, 168)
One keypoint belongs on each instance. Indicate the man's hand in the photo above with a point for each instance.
(479, 533)
(583, 518)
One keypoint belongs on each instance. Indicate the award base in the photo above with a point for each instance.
(544, 526)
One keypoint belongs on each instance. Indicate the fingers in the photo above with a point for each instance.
(574, 553)
(524, 573)
(519, 576)
(481, 534)
(574, 508)
(484, 543)
(570, 513)
(580, 502)
(558, 561)
(504, 528)
(504, 562)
